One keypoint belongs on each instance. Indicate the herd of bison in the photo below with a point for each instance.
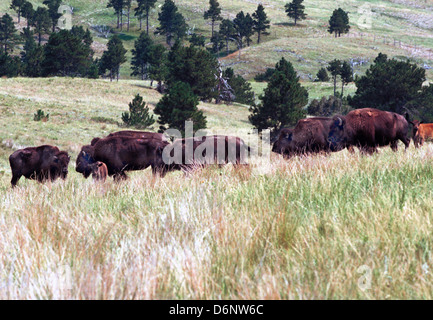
(123, 151)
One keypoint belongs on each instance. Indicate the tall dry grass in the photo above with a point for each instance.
(341, 226)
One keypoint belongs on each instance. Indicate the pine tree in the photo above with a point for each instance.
(335, 69)
(8, 36)
(322, 75)
(127, 4)
(28, 12)
(197, 40)
(117, 5)
(226, 32)
(172, 23)
(158, 68)
(339, 22)
(261, 22)
(141, 56)
(177, 106)
(113, 57)
(213, 13)
(195, 66)
(143, 11)
(9, 66)
(388, 85)
(32, 55)
(138, 115)
(244, 27)
(295, 10)
(17, 5)
(283, 101)
(346, 74)
(67, 54)
(42, 22)
(241, 88)
(53, 11)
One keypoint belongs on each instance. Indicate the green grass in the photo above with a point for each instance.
(399, 28)
(304, 228)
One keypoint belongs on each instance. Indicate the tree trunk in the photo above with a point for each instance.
(129, 11)
(147, 23)
(118, 20)
(335, 85)
(258, 37)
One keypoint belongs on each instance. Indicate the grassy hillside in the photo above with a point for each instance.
(342, 226)
(399, 28)
(339, 226)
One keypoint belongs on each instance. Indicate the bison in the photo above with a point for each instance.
(121, 154)
(39, 163)
(99, 171)
(310, 135)
(368, 129)
(134, 134)
(421, 131)
(186, 153)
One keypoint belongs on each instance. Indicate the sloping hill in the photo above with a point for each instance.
(398, 28)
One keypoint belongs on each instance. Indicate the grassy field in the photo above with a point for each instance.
(339, 226)
(342, 226)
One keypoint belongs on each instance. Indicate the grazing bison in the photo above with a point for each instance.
(99, 171)
(310, 135)
(421, 131)
(121, 154)
(133, 134)
(186, 153)
(368, 129)
(39, 163)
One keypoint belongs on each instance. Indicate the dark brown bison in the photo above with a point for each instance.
(310, 135)
(368, 129)
(187, 153)
(99, 171)
(421, 131)
(39, 163)
(133, 134)
(121, 154)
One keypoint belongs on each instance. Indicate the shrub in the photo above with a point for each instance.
(138, 115)
(41, 116)
(322, 75)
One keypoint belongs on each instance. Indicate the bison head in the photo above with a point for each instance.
(282, 145)
(84, 160)
(63, 161)
(59, 165)
(336, 136)
(415, 124)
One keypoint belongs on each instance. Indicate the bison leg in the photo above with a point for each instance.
(14, 180)
(394, 146)
(158, 171)
(120, 176)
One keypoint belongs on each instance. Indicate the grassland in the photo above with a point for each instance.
(341, 226)
(399, 28)
(315, 227)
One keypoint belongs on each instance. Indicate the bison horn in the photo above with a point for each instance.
(340, 122)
